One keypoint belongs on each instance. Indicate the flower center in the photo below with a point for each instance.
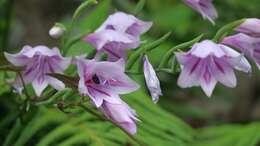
(95, 79)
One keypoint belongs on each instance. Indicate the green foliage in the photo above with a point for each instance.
(45, 125)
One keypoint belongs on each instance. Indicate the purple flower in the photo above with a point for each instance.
(208, 62)
(103, 81)
(113, 43)
(152, 81)
(117, 34)
(121, 114)
(204, 7)
(37, 62)
(125, 23)
(250, 27)
(250, 46)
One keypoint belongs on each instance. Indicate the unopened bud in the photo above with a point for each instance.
(56, 32)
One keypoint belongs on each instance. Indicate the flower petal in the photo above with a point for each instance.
(223, 72)
(152, 80)
(206, 48)
(125, 23)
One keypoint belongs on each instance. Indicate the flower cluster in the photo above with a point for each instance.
(205, 64)
(102, 81)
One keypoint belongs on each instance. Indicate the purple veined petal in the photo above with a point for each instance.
(139, 28)
(125, 23)
(206, 48)
(190, 73)
(39, 85)
(207, 80)
(223, 72)
(41, 50)
(250, 27)
(242, 42)
(115, 52)
(121, 114)
(208, 10)
(55, 83)
(183, 58)
(205, 8)
(99, 39)
(112, 42)
(113, 73)
(152, 80)
(19, 59)
(235, 59)
(99, 93)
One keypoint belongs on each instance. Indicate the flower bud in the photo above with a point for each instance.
(56, 31)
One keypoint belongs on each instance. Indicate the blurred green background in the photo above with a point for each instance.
(183, 117)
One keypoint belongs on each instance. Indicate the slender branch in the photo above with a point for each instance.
(24, 86)
(103, 118)
(168, 55)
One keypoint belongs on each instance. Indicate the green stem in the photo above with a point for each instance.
(222, 32)
(149, 47)
(168, 55)
(75, 16)
(139, 7)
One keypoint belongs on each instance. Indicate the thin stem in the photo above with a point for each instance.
(168, 55)
(24, 86)
(223, 31)
(146, 48)
(111, 121)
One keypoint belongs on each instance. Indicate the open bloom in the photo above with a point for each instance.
(125, 23)
(208, 62)
(113, 43)
(37, 62)
(204, 7)
(121, 114)
(103, 81)
(250, 46)
(152, 80)
(250, 27)
(117, 34)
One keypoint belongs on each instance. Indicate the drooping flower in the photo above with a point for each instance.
(121, 114)
(204, 7)
(125, 23)
(250, 46)
(251, 27)
(208, 63)
(37, 62)
(113, 43)
(152, 80)
(103, 81)
(117, 34)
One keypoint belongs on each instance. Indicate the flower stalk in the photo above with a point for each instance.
(168, 55)
(225, 30)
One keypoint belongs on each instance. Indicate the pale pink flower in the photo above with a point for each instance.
(119, 33)
(37, 62)
(208, 63)
(103, 81)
